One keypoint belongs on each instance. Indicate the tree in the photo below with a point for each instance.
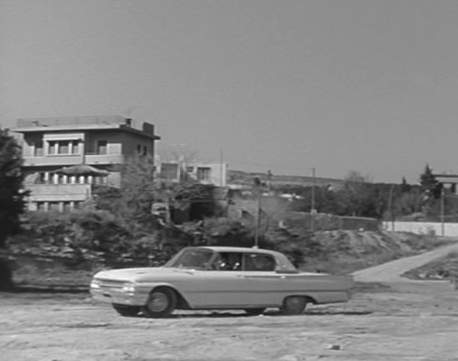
(11, 196)
(11, 192)
(405, 187)
(428, 181)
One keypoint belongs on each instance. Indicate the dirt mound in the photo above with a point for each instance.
(440, 269)
(346, 251)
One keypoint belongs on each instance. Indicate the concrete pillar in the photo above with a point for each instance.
(55, 178)
(46, 177)
(46, 206)
(61, 206)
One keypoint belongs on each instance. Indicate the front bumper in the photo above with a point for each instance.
(118, 296)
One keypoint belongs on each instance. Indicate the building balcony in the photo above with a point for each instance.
(66, 160)
(50, 160)
(59, 192)
(93, 158)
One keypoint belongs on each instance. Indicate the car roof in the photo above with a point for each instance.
(239, 249)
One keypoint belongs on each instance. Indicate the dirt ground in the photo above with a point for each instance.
(407, 321)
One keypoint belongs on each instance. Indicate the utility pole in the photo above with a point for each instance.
(221, 170)
(390, 207)
(312, 206)
(257, 185)
(442, 212)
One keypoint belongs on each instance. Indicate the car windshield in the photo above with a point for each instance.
(194, 258)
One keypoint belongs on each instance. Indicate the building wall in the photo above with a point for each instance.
(437, 228)
(136, 145)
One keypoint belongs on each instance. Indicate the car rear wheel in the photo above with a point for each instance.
(161, 302)
(294, 305)
(255, 311)
(127, 311)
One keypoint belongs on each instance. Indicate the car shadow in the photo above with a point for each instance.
(228, 314)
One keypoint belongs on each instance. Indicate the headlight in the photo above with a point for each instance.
(129, 288)
(95, 283)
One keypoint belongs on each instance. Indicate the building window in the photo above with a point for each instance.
(41, 179)
(67, 207)
(63, 147)
(75, 147)
(203, 173)
(139, 149)
(38, 148)
(41, 206)
(101, 147)
(189, 169)
(145, 150)
(54, 206)
(52, 147)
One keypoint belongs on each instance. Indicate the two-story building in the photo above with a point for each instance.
(64, 156)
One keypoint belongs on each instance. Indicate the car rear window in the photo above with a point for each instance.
(258, 262)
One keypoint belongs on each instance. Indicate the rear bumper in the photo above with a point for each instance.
(122, 298)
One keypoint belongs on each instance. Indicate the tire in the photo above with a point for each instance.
(294, 305)
(161, 302)
(254, 311)
(126, 311)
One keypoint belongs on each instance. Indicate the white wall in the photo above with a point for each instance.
(447, 229)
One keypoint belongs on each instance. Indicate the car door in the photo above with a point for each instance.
(221, 286)
(265, 286)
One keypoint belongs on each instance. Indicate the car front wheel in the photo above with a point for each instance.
(294, 305)
(161, 302)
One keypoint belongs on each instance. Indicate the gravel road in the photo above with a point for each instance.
(396, 321)
(391, 272)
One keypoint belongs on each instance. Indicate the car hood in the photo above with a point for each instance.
(144, 274)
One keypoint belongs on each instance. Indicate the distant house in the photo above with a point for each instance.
(64, 156)
(203, 173)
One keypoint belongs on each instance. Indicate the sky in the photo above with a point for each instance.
(286, 86)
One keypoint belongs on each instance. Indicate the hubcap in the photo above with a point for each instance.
(158, 302)
(294, 304)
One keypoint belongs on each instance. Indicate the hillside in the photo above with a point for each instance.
(337, 252)
(341, 252)
(246, 178)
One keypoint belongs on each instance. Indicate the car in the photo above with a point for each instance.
(210, 278)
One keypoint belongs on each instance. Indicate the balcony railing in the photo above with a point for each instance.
(94, 158)
(72, 159)
(55, 159)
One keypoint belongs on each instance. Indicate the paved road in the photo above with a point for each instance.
(391, 272)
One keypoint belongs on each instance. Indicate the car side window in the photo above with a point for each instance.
(258, 262)
(227, 261)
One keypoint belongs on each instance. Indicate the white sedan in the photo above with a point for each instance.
(200, 278)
